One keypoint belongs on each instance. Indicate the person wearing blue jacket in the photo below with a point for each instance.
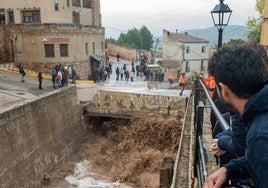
(238, 72)
(233, 140)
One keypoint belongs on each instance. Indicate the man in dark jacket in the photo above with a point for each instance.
(40, 79)
(22, 72)
(233, 140)
(118, 57)
(238, 72)
(117, 71)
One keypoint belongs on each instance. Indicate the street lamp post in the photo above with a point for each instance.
(221, 15)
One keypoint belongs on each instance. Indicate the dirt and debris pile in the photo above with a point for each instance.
(132, 151)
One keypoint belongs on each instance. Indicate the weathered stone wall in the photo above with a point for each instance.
(6, 40)
(37, 137)
(128, 104)
(125, 53)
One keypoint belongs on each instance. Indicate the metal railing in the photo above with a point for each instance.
(201, 155)
(222, 122)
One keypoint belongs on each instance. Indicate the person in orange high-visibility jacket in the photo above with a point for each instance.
(170, 77)
(211, 86)
(206, 81)
(182, 82)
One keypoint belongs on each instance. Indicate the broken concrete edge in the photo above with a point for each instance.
(45, 76)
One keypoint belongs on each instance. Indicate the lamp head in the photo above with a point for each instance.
(221, 15)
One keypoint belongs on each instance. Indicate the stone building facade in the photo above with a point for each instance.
(39, 33)
(184, 53)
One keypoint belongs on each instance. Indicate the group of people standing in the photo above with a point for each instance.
(124, 72)
(61, 75)
(139, 71)
(103, 73)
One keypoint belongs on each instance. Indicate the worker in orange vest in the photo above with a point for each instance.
(206, 81)
(182, 82)
(211, 86)
(170, 77)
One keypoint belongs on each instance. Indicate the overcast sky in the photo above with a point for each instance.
(121, 15)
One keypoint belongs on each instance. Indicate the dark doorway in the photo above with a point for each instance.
(95, 65)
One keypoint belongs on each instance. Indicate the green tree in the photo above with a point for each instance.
(134, 38)
(253, 32)
(259, 6)
(131, 39)
(234, 41)
(147, 38)
(111, 40)
(124, 41)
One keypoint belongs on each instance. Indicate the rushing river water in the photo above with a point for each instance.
(83, 178)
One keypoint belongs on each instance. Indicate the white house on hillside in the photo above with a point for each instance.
(184, 53)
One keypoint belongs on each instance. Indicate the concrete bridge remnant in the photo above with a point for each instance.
(125, 104)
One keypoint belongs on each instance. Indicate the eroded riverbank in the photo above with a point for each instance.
(125, 151)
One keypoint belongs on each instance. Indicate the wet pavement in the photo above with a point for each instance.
(13, 92)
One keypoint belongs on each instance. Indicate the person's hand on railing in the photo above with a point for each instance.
(217, 179)
(215, 150)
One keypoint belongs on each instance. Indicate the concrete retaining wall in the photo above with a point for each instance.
(128, 104)
(37, 137)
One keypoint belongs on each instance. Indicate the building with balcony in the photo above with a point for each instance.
(184, 53)
(40, 33)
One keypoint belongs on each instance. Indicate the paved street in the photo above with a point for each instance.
(13, 91)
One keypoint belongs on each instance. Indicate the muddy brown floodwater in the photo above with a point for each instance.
(129, 151)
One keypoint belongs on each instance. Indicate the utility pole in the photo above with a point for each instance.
(153, 52)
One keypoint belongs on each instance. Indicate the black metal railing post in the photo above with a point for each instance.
(201, 155)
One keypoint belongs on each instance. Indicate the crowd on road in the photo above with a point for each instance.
(101, 74)
(60, 75)
(117, 72)
(125, 73)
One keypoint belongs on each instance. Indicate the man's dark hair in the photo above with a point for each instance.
(260, 49)
(239, 67)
